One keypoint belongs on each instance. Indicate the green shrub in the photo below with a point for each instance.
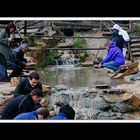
(49, 59)
(78, 42)
(83, 56)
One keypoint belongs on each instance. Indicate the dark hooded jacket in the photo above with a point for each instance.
(18, 105)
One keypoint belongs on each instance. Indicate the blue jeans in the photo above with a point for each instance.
(111, 65)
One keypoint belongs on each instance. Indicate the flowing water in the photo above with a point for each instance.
(75, 76)
(76, 85)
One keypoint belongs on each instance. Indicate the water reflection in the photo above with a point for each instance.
(73, 76)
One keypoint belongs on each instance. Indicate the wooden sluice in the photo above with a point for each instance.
(126, 70)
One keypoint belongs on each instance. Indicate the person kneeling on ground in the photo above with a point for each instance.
(66, 112)
(17, 61)
(21, 104)
(114, 58)
(41, 113)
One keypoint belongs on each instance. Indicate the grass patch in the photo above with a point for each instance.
(78, 42)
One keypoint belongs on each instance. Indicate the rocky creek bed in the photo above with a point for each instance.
(99, 103)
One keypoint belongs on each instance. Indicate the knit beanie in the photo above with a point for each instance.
(24, 45)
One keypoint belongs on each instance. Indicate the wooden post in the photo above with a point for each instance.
(25, 28)
(130, 25)
(130, 55)
(101, 25)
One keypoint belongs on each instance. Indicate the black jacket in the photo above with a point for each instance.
(17, 58)
(24, 87)
(17, 105)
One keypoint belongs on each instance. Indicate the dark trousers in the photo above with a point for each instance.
(17, 70)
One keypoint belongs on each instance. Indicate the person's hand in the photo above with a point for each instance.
(99, 66)
(10, 39)
(29, 61)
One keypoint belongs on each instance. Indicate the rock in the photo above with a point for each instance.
(132, 116)
(87, 64)
(85, 95)
(60, 103)
(120, 107)
(30, 66)
(108, 116)
(102, 86)
(82, 116)
(66, 44)
(100, 103)
(135, 77)
(85, 103)
(61, 97)
(123, 102)
(46, 89)
(113, 98)
(117, 97)
(61, 87)
(134, 101)
(14, 81)
(7, 94)
(92, 90)
(114, 91)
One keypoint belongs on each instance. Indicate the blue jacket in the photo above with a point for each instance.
(27, 116)
(114, 54)
(59, 116)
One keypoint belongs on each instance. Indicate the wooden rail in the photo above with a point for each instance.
(94, 37)
(32, 48)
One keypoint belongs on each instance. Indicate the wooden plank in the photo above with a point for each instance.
(129, 65)
(129, 69)
(128, 72)
(133, 65)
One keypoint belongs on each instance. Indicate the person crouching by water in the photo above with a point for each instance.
(17, 62)
(114, 58)
(21, 104)
(27, 84)
(41, 113)
(66, 112)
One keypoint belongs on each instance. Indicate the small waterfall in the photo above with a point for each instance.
(56, 62)
(68, 59)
